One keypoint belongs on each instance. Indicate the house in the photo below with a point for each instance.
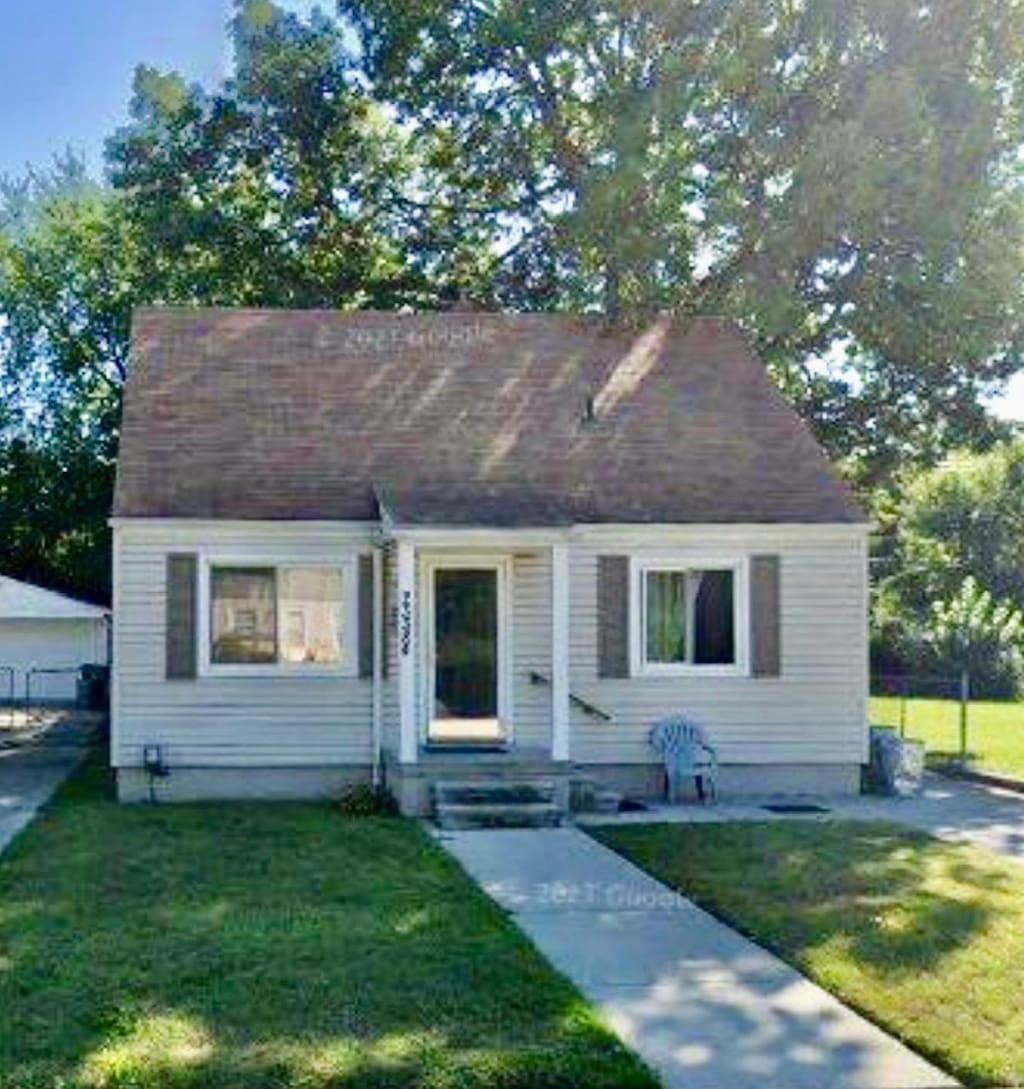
(45, 638)
(354, 545)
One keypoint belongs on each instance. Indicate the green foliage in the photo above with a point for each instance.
(843, 178)
(364, 800)
(950, 570)
(839, 176)
(980, 634)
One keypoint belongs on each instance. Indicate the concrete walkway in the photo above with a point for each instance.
(33, 766)
(951, 809)
(704, 1007)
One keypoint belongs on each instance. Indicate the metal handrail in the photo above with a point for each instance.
(585, 706)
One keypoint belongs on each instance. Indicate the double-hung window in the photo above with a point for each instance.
(263, 617)
(689, 617)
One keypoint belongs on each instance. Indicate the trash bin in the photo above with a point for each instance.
(897, 765)
(93, 687)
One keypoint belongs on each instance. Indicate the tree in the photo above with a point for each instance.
(840, 176)
(69, 271)
(949, 583)
(290, 185)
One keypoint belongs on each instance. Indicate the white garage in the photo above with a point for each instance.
(44, 638)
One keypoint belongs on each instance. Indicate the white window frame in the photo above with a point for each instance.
(640, 565)
(349, 664)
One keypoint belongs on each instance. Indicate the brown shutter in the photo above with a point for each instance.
(613, 616)
(366, 616)
(180, 637)
(765, 625)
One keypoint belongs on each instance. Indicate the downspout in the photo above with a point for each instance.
(378, 663)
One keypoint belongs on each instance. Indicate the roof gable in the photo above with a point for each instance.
(460, 418)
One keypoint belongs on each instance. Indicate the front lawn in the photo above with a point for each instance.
(925, 938)
(995, 731)
(279, 945)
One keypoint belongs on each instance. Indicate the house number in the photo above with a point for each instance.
(405, 623)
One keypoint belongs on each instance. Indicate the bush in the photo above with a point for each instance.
(366, 800)
(976, 632)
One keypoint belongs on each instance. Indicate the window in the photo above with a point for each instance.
(261, 615)
(689, 617)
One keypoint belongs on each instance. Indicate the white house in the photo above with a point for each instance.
(458, 544)
(45, 637)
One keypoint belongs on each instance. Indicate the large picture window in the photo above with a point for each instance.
(688, 617)
(262, 615)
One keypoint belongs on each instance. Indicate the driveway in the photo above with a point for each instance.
(951, 809)
(703, 1006)
(36, 755)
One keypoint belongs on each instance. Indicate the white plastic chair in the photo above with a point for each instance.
(686, 751)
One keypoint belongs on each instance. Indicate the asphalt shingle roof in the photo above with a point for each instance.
(460, 418)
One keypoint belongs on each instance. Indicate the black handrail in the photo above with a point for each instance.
(577, 701)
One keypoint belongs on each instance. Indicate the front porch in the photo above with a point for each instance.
(481, 653)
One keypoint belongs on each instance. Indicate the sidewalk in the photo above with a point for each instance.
(704, 1007)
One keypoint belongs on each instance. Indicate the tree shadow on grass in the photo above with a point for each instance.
(900, 900)
(258, 945)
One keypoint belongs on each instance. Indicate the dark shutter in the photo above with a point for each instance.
(181, 617)
(366, 616)
(613, 616)
(765, 625)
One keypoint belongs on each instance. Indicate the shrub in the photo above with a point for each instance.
(366, 800)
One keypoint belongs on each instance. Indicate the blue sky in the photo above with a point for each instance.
(66, 68)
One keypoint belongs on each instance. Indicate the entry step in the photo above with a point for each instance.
(490, 803)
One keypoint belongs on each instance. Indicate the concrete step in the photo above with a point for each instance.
(461, 817)
(493, 792)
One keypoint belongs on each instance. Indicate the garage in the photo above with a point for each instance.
(45, 637)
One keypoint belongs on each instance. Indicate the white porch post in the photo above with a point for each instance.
(559, 652)
(408, 747)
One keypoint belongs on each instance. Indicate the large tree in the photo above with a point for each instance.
(840, 175)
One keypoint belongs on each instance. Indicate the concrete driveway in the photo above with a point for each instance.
(36, 756)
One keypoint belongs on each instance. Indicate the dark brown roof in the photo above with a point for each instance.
(460, 418)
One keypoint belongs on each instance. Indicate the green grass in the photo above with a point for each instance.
(995, 731)
(925, 938)
(278, 945)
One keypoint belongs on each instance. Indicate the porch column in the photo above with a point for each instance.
(408, 747)
(559, 652)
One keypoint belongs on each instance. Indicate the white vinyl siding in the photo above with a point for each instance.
(531, 641)
(815, 712)
(272, 721)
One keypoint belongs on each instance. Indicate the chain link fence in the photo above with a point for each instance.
(986, 735)
(935, 710)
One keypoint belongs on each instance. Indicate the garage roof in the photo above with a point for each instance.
(23, 601)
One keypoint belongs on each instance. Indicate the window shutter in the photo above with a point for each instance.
(613, 616)
(765, 625)
(180, 633)
(366, 616)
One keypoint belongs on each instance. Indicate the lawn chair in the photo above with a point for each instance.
(686, 751)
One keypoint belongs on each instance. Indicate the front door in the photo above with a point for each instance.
(466, 657)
